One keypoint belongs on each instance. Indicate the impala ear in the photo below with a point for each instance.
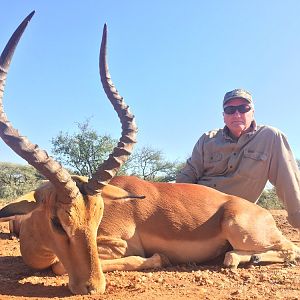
(111, 192)
(21, 206)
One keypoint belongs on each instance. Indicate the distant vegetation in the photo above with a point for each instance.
(17, 179)
(84, 151)
(269, 200)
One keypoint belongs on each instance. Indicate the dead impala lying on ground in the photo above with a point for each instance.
(87, 226)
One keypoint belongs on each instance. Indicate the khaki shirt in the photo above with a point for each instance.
(243, 166)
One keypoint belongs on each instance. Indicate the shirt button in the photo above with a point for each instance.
(234, 153)
(230, 167)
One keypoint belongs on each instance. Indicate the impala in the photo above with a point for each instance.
(87, 226)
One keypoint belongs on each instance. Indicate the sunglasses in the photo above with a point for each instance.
(243, 108)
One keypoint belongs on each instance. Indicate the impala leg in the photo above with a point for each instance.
(234, 258)
(254, 236)
(129, 263)
(116, 255)
(15, 224)
(135, 263)
(275, 256)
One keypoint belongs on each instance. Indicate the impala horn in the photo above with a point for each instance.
(52, 170)
(109, 168)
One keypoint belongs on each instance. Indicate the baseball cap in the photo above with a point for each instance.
(237, 93)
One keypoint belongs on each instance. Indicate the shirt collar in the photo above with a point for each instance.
(228, 136)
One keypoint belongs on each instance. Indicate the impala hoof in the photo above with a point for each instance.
(58, 268)
(255, 259)
(231, 260)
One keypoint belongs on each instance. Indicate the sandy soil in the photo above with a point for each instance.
(210, 281)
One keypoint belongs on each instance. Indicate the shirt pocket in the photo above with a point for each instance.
(253, 164)
(213, 163)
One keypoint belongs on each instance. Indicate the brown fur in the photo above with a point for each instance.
(174, 223)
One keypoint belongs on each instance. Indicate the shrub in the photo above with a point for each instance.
(269, 200)
(17, 179)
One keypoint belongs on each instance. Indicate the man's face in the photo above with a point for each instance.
(238, 123)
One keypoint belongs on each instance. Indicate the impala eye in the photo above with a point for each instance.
(57, 225)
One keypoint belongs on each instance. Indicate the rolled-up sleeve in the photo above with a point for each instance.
(285, 176)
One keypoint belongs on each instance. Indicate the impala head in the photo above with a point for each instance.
(66, 221)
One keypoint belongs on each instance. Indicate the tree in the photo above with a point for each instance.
(17, 179)
(83, 151)
(150, 164)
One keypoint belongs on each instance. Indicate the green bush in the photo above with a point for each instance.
(17, 179)
(269, 200)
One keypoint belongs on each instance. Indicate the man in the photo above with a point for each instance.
(240, 158)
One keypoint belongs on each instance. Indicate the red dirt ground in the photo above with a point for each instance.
(210, 281)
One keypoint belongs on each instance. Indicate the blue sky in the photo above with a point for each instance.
(172, 61)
